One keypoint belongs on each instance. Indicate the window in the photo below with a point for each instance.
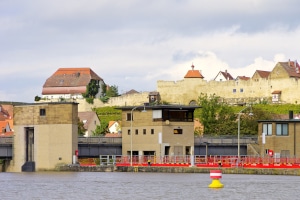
(267, 128)
(152, 131)
(241, 90)
(178, 131)
(136, 131)
(157, 115)
(234, 90)
(144, 131)
(129, 117)
(42, 112)
(128, 131)
(281, 129)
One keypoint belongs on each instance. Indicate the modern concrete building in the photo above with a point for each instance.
(158, 130)
(46, 135)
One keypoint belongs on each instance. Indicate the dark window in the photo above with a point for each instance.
(128, 131)
(267, 128)
(241, 90)
(129, 117)
(234, 90)
(178, 131)
(136, 131)
(144, 131)
(152, 131)
(281, 129)
(42, 112)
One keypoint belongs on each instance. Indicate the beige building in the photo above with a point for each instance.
(158, 130)
(281, 136)
(46, 135)
(90, 121)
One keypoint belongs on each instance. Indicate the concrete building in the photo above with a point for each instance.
(158, 130)
(46, 135)
(281, 136)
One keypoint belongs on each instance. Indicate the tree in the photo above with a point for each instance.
(92, 89)
(208, 114)
(81, 129)
(112, 91)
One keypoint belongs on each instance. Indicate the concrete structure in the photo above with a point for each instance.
(281, 136)
(161, 130)
(46, 135)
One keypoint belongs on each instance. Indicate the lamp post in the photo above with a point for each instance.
(131, 120)
(239, 127)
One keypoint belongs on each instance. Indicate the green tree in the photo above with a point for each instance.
(208, 114)
(81, 129)
(112, 91)
(91, 89)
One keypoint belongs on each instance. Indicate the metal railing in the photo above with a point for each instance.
(225, 140)
(100, 140)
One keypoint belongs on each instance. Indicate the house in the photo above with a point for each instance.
(260, 75)
(223, 76)
(285, 70)
(154, 97)
(71, 83)
(193, 74)
(280, 136)
(114, 127)
(5, 130)
(90, 121)
(276, 96)
(45, 135)
(160, 130)
(243, 78)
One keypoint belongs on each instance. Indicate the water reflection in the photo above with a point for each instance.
(118, 185)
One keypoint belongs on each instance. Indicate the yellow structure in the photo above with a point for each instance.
(161, 130)
(46, 135)
(280, 136)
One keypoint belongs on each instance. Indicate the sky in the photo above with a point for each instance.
(134, 43)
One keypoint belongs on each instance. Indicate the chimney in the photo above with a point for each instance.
(291, 114)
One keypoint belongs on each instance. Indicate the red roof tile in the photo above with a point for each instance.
(193, 73)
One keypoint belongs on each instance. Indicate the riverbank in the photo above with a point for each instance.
(236, 170)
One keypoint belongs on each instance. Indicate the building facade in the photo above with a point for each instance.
(280, 138)
(46, 135)
(161, 130)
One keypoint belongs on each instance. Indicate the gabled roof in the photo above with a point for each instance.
(132, 91)
(226, 75)
(263, 74)
(86, 117)
(193, 73)
(292, 68)
(71, 77)
(111, 123)
(276, 92)
(244, 78)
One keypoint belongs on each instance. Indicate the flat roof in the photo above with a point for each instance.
(159, 107)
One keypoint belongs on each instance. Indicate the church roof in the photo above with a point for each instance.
(193, 73)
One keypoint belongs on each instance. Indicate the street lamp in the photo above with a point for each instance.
(131, 120)
(239, 127)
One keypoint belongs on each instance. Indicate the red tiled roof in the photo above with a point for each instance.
(263, 74)
(292, 68)
(193, 73)
(276, 92)
(69, 81)
(244, 78)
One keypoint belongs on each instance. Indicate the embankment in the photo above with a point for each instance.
(261, 171)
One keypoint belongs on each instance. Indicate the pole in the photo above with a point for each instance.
(131, 119)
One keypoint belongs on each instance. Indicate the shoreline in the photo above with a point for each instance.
(149, 169)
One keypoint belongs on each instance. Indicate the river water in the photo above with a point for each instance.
(129, 185)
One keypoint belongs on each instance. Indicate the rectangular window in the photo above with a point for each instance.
(281, 129)
(156, 115)
(136, 131)
(42, 112)
(144, 131)
(129, 117)
(128, 131)
(241, 90)
(152, 131)
(178, 131)
(234, 90)
(267, 128)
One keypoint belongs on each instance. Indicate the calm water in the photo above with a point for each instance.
(115, 185)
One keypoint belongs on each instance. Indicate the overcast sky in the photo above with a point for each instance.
(134, 43)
